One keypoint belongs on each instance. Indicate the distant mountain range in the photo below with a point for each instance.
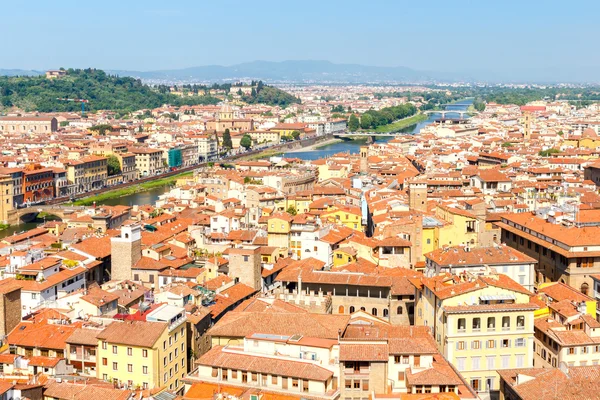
(307, 71)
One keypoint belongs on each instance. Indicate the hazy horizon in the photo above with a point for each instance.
(439, 36)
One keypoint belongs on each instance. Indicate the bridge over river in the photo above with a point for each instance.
(27, 214)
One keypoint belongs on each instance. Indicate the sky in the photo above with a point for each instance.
(452, 35)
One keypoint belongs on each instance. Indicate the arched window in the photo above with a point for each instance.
(374, 311)
(385, 312)
(399, 310)
(585, 288)
(341, 310)
(363, 309)
(351, 309)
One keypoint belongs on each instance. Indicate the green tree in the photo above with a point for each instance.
(366, 121)
(549, 152)
(114, 167)
(246, 141)
(296, 135)
(227, 139)
(353, 123)
(292, 210)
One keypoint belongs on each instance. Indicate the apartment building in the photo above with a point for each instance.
(148, 162)
(147, 354)
(566, 246)
(481, 324)
(502, 259)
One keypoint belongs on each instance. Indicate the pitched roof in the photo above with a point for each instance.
(133, 333)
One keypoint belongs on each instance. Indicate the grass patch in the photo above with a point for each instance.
(4, 226)
(142, 187)
(395, 126)
(261, 155)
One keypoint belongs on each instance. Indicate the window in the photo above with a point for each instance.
(129, 351)
(165, 361)
(491, 344)
(520, 360)
(520, 342)
(295, 383)
(491, 362)
(505, 323)
(374, 311)
(348, 384)
(103, 345)
(460, 363)
(274, 380)
(417, 361)
(505, 361)
(114, 349)
(145, 353)
(521, 322)
(460, 345)
(571, 350)
(476, 345)
(399, 310)
(462, 325)
(145, 370)
(129, 367)
(104, 361)
(476, 361)
(400, 375)
(476, 324)
(115, 367)
(491, 323)
(476, 384)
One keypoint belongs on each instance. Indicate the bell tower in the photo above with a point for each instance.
(364, 159)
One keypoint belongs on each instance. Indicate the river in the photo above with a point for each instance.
(351, 146)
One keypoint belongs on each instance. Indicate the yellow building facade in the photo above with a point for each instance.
(143, 354)
(480, 325)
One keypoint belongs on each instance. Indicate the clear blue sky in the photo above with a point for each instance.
(149, 35)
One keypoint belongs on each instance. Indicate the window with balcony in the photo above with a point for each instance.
(521, 322)
(505, 323)
(491, 323)
(462, 325)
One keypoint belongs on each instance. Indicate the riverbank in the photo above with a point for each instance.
(403, 123)
(316, 146)
(113, 194)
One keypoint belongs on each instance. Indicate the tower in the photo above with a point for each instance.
(364, 162)
(527, 122)
(126, 251)
(417, 195)
(244, 265)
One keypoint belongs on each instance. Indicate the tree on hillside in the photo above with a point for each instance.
(114, 167)
(296, 135)
(353, 123)
(246, 141)
(227, 139)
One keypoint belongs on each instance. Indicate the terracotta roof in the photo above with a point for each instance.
(133, 333)
(220, 357)
(364, 352)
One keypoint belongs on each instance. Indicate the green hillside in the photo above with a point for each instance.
(104, 92)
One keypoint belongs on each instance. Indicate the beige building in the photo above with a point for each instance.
(148, 162)
(6, 196)
(28, 124)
